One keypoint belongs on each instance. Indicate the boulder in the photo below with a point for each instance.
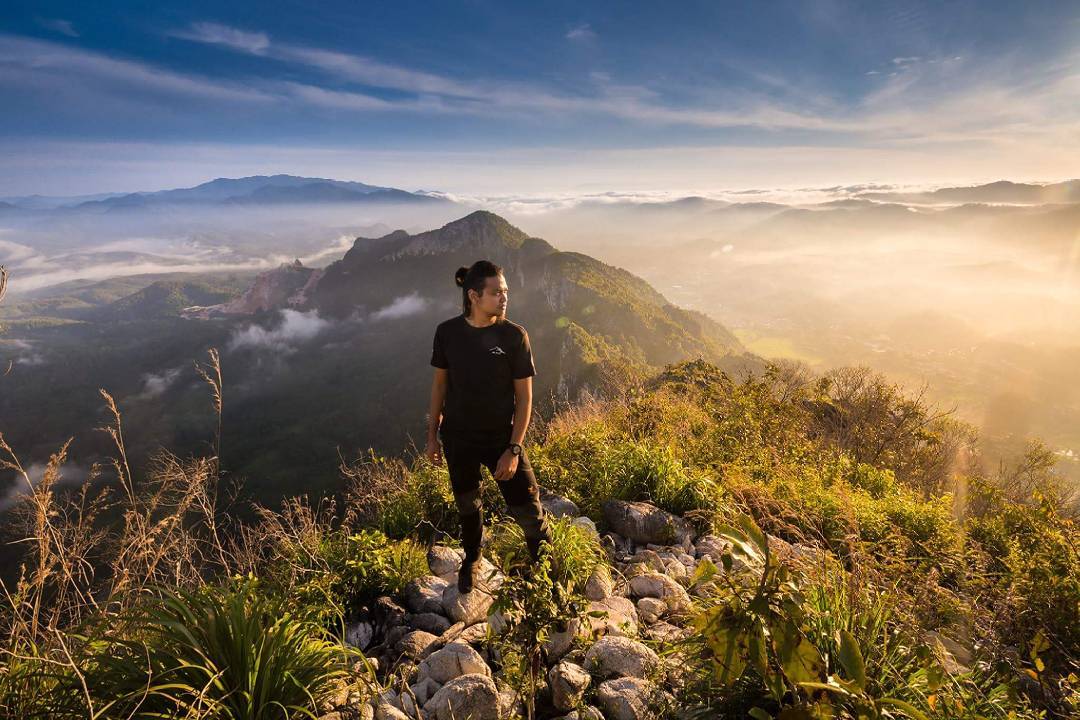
(660, 586)
(557, 505)
(359, 634)
(425, 594)
(386, 711)
(452, 661)
(443, 560)
(613, 656)
(568, 682)
(599, 584)
(431, 622)
(559, 643)
(645, 523)
(626, 699)
(474, 634)
(620, 619)
(586, 524)
(424, 690)
(467, 697)
(470, 608)
(417, 644)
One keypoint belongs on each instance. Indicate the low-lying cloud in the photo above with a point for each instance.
(295, 328)
(403, 306)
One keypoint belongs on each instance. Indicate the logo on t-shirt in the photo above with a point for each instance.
(497, 351)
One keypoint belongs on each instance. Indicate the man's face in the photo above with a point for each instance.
(494, 299)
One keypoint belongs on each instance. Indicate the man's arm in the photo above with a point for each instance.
(522, 408)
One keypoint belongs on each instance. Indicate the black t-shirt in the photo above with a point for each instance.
(483, 364)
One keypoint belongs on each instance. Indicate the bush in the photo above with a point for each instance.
(231, 652)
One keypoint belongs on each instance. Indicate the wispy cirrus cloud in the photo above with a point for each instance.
(581, 32)
(216, 34)
(64, 27)
(48, 62)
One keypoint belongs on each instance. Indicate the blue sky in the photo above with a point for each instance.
(483, 97)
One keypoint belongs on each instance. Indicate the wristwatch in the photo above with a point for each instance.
(514, 449)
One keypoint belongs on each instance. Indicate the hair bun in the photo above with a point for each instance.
(459, 276)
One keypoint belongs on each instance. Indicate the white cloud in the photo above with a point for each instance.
(581, 32)
(70, 474)
(45, 64)
(295, 328)
(215, 34)
(155, 384)
(401, 307)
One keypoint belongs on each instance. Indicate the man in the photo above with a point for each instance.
(481, 401)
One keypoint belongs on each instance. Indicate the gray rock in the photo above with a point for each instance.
(657, 585)
(645, 523)
(425, 594)
(568, 683)
(386, 711)
(474, 634)
(431, 622)
(470, 608)
(467, 697)
(452, 661)
(651, 609)
(559, 643)
(621, 618)
(509, 701)
(613, 656)
(599, 584)
(586, 524)
(625, 699)
(424, 690)
(443, 560)
(359, 634)
(557, 505)
(417, 644)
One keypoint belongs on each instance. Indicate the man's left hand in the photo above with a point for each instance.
(507, 466)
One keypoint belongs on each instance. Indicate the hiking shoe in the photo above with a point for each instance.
(466, 575)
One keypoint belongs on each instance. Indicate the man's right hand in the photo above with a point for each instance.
(433, 452)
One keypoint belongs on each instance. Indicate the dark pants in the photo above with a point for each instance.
(521, 492)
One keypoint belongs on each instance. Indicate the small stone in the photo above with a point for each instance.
(621, 618)
(651, 609)
(658, 585)
(620, 657)
(568, 683)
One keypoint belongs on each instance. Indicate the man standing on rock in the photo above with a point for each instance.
(481, 402)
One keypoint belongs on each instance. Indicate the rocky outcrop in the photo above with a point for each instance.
(444, 644)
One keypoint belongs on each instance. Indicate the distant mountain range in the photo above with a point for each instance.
(254, 190)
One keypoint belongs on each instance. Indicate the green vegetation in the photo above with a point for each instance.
(918, 585)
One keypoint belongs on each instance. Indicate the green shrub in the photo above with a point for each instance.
(234, 653)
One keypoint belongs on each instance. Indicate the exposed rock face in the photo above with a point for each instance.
(644, 523)
(283, 287)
